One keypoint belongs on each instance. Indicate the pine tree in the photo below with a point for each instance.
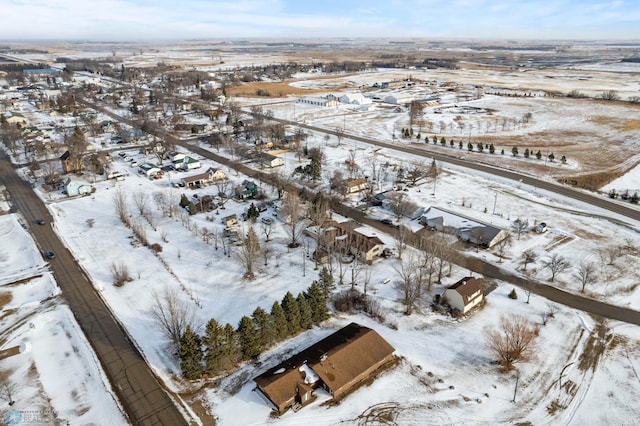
(551, 157)
(443, 140)
(184, 201)
(514, 151)
(326, 282)
(480, 146)
(563, 159)
(306, 314)
(526, 153)
(538, 155)
(214, 352)
(317, 302)
(252, 212)
(459, 144)
(279, 321)
(291, 312)
(230, 346)
(469, 146)
(249, 338)
(264, 325)
(492, 149)
(190, 354)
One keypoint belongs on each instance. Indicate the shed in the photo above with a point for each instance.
(74, 186)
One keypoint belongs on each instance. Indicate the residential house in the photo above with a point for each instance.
(16, 119)
(211, 175)
(230, 220)
(187, 163)
(149, 169)
(74, 186)
(247, 191)
(174, 156)
(356, 185)
(336, 364)
(467, 229)
(349, 238)
(464, 295)
(267, 160)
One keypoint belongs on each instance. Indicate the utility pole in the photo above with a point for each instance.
(495, 200)
(515, 390)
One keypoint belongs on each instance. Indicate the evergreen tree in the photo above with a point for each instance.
(326, 282)
(249, 338)
(492, 149)
(443, 140)
(526, 153)
(502, 152)
(306, 314)
(291, 312)
(213, 351)
(252, 212)
(563, 159)
(480, 147)
(418, 137)
(469, 146)
(514, 151)
(435, 139)
(538, 155)
(551, 157)
(184, 201)
(262, 321)
(317, 302)
(317, 156)
(451, 143)
(459, 144)
(230, 346)
(279, 321)
(190, 354)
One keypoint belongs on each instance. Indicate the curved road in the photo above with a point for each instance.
(144, 400)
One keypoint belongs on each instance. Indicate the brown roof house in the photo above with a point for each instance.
(349, 237)
(464, 295)
(356, 185)
(211, 175)
(337, 364)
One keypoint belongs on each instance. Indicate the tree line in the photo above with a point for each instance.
(220, 348)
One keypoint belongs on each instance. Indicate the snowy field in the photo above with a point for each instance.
(213, 283)
(586, 368)
(51, 371)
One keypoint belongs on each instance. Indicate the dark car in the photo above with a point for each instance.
(50, 255)
(40, 222)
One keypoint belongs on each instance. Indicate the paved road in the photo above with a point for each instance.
(427, 151)
(144, 400)
(473, 264)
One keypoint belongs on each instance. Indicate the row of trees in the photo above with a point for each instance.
(222, 347)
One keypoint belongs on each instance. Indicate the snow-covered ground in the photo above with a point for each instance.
(444, 362)
(52, 373)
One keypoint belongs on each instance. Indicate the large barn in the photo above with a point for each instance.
(337, 364)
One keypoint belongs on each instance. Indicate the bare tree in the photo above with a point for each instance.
(141, 201)
(120, 201)
(586, 274)
(398, 204)
(7, 389)
(173, 314)
(415, 110)
(266, 251)
(293, 214)
(401, 237)
(224, 191)
(248, 252)
(502, 247)
(528, 256)
(520, 226)
(339, 134)
(556, 264)
(411, 282)
(417, 172)
(513, 341)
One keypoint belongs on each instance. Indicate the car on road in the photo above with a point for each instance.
(40, 222)
(387, 221)
(50, 255)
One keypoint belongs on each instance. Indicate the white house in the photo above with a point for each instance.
(464, 295)
(75, 187)
(466, 228)
(149, 169)
(267, 160)
(187, 163)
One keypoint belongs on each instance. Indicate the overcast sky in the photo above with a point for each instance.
(121, 20)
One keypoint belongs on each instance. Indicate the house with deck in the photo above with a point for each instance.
(464, 295)
(336, 364)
